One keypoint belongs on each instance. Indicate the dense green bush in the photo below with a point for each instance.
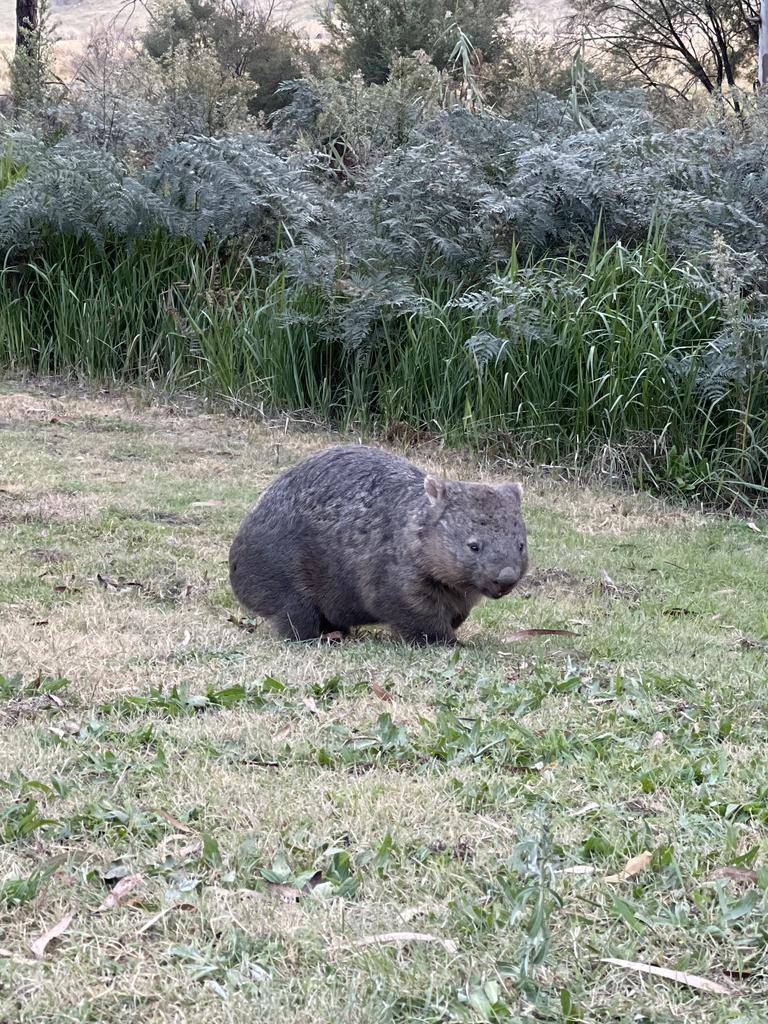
(248, 41)
(367, 34)
(576, 282)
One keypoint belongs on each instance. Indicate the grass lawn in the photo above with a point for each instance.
(238, 824)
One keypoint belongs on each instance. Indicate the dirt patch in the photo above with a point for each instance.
(606, 587)
(11, 508)
(46, 556)
(109, 425)
(159, 516)
(162, 587)
(23, 518)
(555, 579)
(52, 507)
(17, 708)
(538, 579)
(173, 588)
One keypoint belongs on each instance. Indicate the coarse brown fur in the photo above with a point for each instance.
(355, 535)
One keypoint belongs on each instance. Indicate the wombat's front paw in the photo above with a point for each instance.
(334, 637)
(427, 638)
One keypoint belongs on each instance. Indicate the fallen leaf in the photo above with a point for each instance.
(681, 977)
(737, 874)
(580, 811)
(115, 870)
(658, 739)
(179, 825)
(161, 914)
(380, 692)
(523, 634)
(65, 729)
(292, 894)
(259, 762)
(109, 584)
(213, 503)
(249, 625)
(753, 527)
(633, 867)
(383, 937)
(286, 893)
(125, 886)
(190, 850)
(38, 947)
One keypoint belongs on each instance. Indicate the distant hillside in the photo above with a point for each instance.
(75, 19)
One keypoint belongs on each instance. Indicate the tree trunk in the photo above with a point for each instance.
(26, 20)
(762, 46)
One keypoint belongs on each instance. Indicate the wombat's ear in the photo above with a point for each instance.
(434, 489)
(513, 488)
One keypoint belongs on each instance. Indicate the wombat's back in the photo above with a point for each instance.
(344, 484)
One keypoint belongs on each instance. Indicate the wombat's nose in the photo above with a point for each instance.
(506, 577)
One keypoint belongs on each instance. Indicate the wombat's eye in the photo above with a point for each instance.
(473, 545)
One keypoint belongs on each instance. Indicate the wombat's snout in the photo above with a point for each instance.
(504, 582)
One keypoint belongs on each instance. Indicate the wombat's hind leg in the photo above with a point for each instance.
(298, 619)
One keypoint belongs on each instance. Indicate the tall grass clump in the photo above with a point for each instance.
(565, 360)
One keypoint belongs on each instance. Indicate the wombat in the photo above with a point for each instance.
(354, 536)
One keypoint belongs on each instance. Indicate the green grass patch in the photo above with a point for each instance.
(254, 819)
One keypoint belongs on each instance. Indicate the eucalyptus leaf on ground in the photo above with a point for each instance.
(681, 977)
(634, 867)
(40, 945)
(737, 874)
(121, 890)
(385, 938)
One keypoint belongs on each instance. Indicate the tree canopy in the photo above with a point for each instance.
(676, 45)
